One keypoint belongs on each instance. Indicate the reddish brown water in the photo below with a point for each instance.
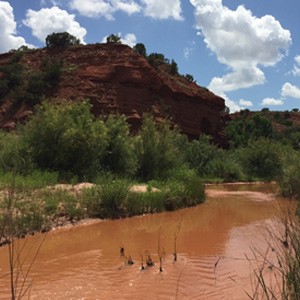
(83, 262)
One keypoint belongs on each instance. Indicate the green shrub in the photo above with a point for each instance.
(140, 49)
(119, 157)
(199, 155)
(65, 138)
(185, 188)
(261, 159)
(61, 39)
(157, 149)
(289, 181)
(242, 130)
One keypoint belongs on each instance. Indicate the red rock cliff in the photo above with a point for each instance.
(116, 79)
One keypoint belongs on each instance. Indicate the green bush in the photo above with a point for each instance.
(61, 39)
(242, 130)
(199, 155)
(261, 159)
(289, 181)
(65, 138)
(140, 49)
(157, 149)
(119, 157)
(183, 188)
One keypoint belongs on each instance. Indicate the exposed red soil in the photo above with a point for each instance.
(117, 80)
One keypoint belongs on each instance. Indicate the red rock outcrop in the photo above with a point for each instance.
(117, 80)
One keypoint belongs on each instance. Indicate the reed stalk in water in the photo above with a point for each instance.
(284, 245)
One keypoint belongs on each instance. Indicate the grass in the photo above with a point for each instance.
(282, 258)
(38, 207)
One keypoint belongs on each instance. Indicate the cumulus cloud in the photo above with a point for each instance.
(239, 78)
(232, 105)
(102, 8)
(8, 38)
(296, 69)
(129, 39)
(157, 9)
(245, 103)
(289, 90)
(163, 9)
(49, 20)
(240, 40)
(272, 102)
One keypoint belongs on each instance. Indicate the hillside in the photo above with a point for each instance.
(114, 78)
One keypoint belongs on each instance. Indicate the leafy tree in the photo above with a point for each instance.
(156, 59)
(244, 129)
(113, 39)
(262, 159)
(66, 138)
(140, 49)
(120, 156)
(61, 39)
(157, 149)
(173, 67)
(200, 153)
(189, 77)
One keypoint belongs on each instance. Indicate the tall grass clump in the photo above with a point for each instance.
(112, 197)
(282, 259)
(148, 202)
(183, 188)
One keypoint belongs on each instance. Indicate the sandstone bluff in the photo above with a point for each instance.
(118, 80)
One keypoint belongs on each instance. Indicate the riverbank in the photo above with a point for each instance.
(83, 261)
(39, 210)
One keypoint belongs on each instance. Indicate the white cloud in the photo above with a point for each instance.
(289, 90)
(240, 40)
(102, 8)
(157, 9)
(272, 102)
(296, 69)
(245, 103)
(49, 20)
(163, 9)
(129, 39)
(8, 38)
(233, 106)
(239, 78)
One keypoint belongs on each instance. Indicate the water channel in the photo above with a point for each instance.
(213, 241)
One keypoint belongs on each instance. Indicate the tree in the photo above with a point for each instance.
(157, 149)
(189, 77)
(66, 138)
(174, 67)
(120, 156)
(113, 39)
(61, 39)
(140, 49)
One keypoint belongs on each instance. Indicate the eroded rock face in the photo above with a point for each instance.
(117, 80)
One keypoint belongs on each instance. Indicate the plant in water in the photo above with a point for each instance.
(15, 220)
(282, 259)
(175, 239)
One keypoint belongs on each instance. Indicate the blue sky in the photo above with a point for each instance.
(247, 51)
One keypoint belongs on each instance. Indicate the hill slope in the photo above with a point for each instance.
(116, 80)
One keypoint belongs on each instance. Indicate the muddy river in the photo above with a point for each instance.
(215, 242)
